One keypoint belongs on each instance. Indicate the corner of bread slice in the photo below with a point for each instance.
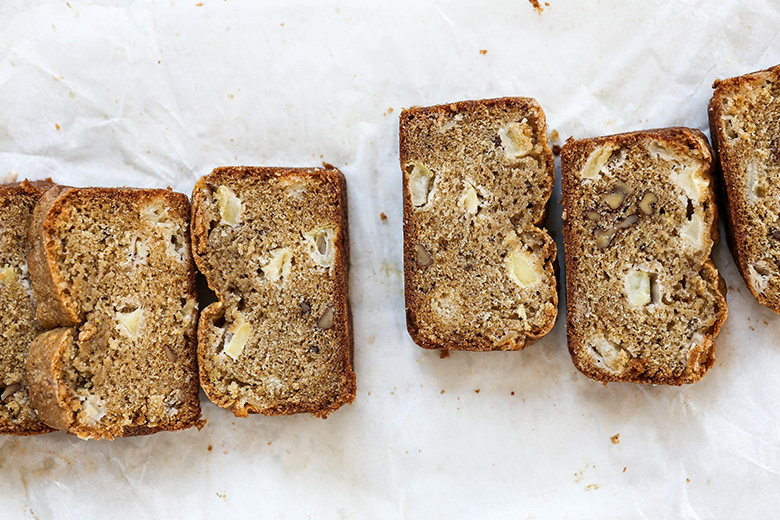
(644, 300)
(273, 245)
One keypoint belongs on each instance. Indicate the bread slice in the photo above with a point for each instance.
(644, 301)
(273, 245)
(478, 268)
(113, 277)
(745, 126)
(18, 327)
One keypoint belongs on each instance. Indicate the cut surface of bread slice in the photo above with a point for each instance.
(114, 279)
(644, 300)
(745, 126)
(478, 268)
(273, 245)
(18, 327)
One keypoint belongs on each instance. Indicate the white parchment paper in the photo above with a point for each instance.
(154, 94)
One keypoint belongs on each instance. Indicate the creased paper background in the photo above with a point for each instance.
(158, 93)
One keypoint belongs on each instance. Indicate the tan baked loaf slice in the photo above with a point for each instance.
(18, 327)
(113, 277)
(745, 126)
(644, 300)
(478, 268)
(273, 245)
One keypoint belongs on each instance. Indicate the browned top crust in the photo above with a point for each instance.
(744, 115)
(17, 322)
(644, 300)
(273, 244)
(478, 268)
(112, 267)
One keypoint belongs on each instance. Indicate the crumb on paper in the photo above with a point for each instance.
(442, 392)
(624, 469)
(615, 438)
(555, 136)
(281, 24)
(578, 476)
(556, 150)
(512, 392)
(269, 442)
(592, 487)
(483, 51)
(58, 127)
(210, 447)
(444, 354)
(535, 4)
(199, 4)
(230, 96)
(389, 111)
(476, 391)
(688, 480)
(382, 216)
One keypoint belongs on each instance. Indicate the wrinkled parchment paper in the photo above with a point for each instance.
(159, 93)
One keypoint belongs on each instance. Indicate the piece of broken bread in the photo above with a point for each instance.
(745, 126)
(478, 266)
(18, 327)
(113, 278)
(273, 245)
(644, 300)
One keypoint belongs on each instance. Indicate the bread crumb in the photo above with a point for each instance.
(535, 4)
(269, 443)
(200, 4)
(57, 126)
(210, 447)
(444, 354)
(512, 393)
(592, 487)
(476, 391)
(442, 392)
(382, 217)
(688, 480)
(624, 469)
(556, 150)
(615, 438)
(483, 51)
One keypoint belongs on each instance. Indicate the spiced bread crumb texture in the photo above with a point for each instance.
(644, 300)
(18, 326)
(113, 278)
(273, 245)
(478, 268)
(745, 125)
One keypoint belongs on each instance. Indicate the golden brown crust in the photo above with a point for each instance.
(59, 386)
(49, 393)
(734, 92)
(413, 139)
(210, 382)
(641, 368)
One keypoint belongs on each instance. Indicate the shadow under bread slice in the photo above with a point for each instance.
(745, 125)
(478, 267)
(113, 278)
(644, 300)
(273, 244)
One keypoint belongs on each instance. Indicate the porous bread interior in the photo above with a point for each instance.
(749, 131)
(465, 299)
(288, 364)
(18, 327)
(119, 253)
(667, 339)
